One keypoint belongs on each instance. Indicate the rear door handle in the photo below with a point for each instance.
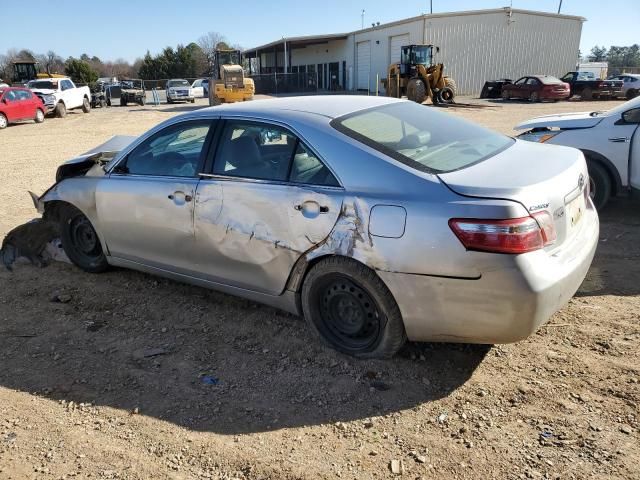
(176, 196)
(619, 139)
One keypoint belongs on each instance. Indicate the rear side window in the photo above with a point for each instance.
(422, 138)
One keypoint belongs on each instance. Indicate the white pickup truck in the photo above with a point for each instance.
(60, 95)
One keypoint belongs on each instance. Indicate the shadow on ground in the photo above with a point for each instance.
(198, 358)
(616, 267)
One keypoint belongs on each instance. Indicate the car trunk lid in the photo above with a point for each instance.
(539, 177)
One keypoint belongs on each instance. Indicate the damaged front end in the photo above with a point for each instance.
(38, 240)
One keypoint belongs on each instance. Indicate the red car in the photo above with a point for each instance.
(17, 104)
(536, 88)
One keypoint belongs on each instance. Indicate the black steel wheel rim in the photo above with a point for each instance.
(350, 317)
(84, 237)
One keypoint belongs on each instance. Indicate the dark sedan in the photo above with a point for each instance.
(536, 88)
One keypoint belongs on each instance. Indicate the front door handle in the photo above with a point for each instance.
(619, 139)
(179, 196)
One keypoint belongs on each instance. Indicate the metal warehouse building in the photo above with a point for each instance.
(474, 46)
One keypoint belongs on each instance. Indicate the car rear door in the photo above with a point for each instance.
(28, 104)
(146, 205)
(268, 200)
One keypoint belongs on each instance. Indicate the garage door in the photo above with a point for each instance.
(396, 43)
(364, 64)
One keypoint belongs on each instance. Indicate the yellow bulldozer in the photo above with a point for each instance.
(228, 83)
(417, 77)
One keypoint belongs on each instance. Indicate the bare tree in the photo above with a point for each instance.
(50, 62)
(209, 43)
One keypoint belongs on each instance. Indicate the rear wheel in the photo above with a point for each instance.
(445, 95)
(587, 94)
(352, 310)
(534, 97)
(505, 95)
(599, 184)
(80, 241)
(3, 121)
(632, 93)
(39, 116)
(86, 106)
(416, 91)
(61, 110)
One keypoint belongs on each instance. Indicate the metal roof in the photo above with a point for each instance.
(299, 42)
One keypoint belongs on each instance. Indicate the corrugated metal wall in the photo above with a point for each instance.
(480, 47)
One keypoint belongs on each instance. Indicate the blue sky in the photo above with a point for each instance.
(255, 22)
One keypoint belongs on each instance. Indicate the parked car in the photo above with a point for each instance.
(630, 84)
(200, 87)
(60, 95)
(609, 140)
(588, 86)
(493, 88)
(19, 104)
(375, 218)
(536, 88)
(179, 90)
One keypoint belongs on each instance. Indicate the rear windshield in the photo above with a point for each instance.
(549, 80)
(421, 137)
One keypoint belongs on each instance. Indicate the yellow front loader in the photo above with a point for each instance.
(229, 84)
(417, 77)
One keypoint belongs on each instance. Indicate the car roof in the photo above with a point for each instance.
(330, 106)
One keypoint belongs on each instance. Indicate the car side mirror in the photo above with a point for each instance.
(631, 116)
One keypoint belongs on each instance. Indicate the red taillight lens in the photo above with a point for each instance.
(514, 235)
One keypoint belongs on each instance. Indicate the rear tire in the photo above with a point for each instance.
(534, 97)
(39, 116)
(61, 110)
(505, 95)
(351, 309)
(86, 106)
(632, 93)
(80, 241)
(600, 184)
(416, 91)
(3, 121)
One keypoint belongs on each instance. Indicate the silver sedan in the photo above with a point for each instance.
(378, 220)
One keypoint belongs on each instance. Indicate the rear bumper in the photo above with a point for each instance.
(554, 95)
(507, 304)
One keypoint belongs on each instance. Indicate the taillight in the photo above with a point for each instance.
(513, 235)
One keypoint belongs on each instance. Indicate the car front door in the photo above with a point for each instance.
(146, 205)
(518, 87)
(268, 200)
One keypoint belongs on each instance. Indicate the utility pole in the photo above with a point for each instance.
(362, 15)
(560, 6)
(431, 6)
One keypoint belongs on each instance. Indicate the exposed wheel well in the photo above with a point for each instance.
(612, 171)
(52, 209)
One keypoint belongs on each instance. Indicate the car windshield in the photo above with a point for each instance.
(422, 138)
(47, 84)
(178, 83)
(549, 80)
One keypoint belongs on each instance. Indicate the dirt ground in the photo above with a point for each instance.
(127, 376)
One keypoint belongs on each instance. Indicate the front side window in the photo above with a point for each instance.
(520, 81)
(66, 85)
(424, 139)
(174, 151)
(255, 150)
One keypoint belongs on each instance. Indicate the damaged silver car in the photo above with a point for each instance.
(376, 219)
